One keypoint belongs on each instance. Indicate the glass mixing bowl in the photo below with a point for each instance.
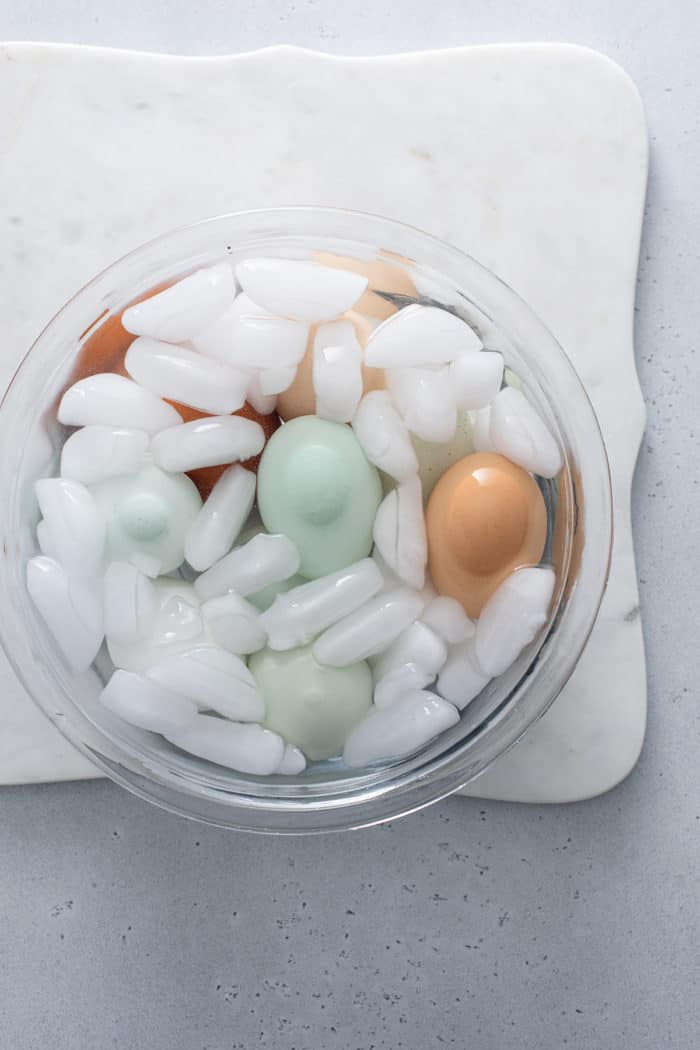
(326, 797)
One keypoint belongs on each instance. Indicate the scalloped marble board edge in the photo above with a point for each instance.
(532, 158)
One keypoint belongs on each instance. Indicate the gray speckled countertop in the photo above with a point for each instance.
(472, 924)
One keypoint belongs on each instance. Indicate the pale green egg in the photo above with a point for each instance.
(312, 706)
(148, 514)
(317, 487)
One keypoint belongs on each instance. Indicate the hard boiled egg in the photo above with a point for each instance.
(485, 517)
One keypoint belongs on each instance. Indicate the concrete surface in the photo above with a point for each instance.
(472, 924)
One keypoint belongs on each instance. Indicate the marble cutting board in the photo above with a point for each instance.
(532, 158)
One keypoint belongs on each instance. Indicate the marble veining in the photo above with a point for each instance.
(532, 158)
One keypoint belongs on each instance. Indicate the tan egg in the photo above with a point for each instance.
(485, 518)
(364, 326)
(383, 276)
(300, 398)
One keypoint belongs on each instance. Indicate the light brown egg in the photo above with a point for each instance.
(383, 276)
(485, 518)
(300, 399)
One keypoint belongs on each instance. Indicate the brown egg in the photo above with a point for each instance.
(383, 276)
(300, 399)
(485, 518)
(104, 351)
(206, 477)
